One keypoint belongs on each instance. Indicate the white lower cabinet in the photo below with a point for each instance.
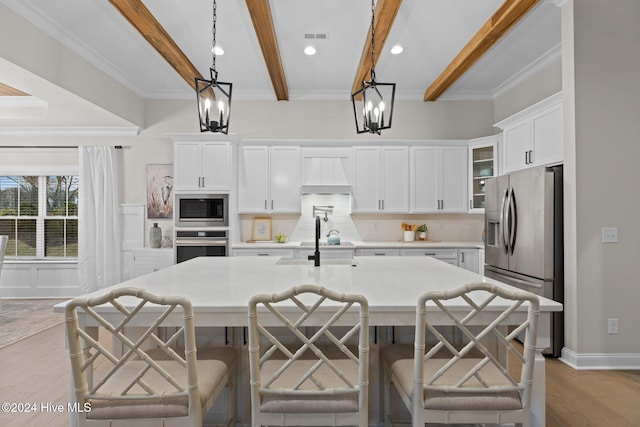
(284, 253)
(377, 252)
(148, 260)
(327, 254)
(469, 259)
(449, 256)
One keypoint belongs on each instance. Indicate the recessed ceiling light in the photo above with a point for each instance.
(310, 50)
(397, 49)
(218, 50)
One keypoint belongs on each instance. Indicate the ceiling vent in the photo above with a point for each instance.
(316, 36)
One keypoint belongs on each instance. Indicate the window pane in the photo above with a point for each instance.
(72, 238)
(26, 245)
(72, 198)
(62, 194)
(54, 237)
(8, 228)
(28, 196)
(9, 195)
(56, 244)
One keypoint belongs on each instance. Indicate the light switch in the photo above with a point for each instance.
(609, 234)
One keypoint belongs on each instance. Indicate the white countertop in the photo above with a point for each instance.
(417, 244)
(221, 287)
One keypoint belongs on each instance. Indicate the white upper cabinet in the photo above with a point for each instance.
(483, 155)
(438, 179)
(284, 177)
(202, 166)
(269, 179)
(253, 179)
(380, 179)
(425, 165)
(533, 137)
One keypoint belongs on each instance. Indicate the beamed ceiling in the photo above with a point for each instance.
(453, 49)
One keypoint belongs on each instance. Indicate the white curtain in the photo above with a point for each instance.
(98, 219)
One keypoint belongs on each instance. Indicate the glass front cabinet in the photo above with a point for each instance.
(483, 164)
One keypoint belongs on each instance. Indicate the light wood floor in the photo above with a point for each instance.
(36, 370)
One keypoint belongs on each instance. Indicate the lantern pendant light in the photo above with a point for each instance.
(373, 103)
(213, 96)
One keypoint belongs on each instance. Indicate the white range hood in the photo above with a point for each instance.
(326, 189)
(326, 171)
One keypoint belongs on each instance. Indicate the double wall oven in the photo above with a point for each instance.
(201, 226)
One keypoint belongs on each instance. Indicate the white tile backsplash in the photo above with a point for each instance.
(369, 227)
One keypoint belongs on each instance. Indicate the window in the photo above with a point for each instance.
(40, 216)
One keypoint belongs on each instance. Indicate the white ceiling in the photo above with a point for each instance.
(432, 32)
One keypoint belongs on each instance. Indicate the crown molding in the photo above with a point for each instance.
(70, 131)
(557, 3)
(552, 55)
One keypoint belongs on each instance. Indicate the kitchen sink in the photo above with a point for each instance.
(286, 261)
(324, 244)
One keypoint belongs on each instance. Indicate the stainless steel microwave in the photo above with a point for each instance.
(202, 210)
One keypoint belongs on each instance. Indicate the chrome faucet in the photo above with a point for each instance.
(316, 255)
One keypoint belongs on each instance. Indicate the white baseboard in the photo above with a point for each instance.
(593, 361)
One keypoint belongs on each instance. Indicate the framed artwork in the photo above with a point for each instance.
(159, 191)
(261, 229)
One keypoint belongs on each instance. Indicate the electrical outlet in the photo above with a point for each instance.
(612, 326)
(609, 234)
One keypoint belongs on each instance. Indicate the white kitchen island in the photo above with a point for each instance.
(220, 289)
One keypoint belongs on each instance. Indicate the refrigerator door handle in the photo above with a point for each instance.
(513, 221)
(503, 221)
(536, 288)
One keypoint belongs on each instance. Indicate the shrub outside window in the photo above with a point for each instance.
(40, 216)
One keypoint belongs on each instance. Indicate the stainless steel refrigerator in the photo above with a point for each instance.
(524, 236)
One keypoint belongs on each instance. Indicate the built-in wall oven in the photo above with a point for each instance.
(192, 243)
(202, 210)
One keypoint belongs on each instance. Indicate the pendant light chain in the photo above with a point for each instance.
(373, 40)
(213, 41)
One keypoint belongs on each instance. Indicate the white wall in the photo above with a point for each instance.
(542, 84)
(602, 156)
(25, 46)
